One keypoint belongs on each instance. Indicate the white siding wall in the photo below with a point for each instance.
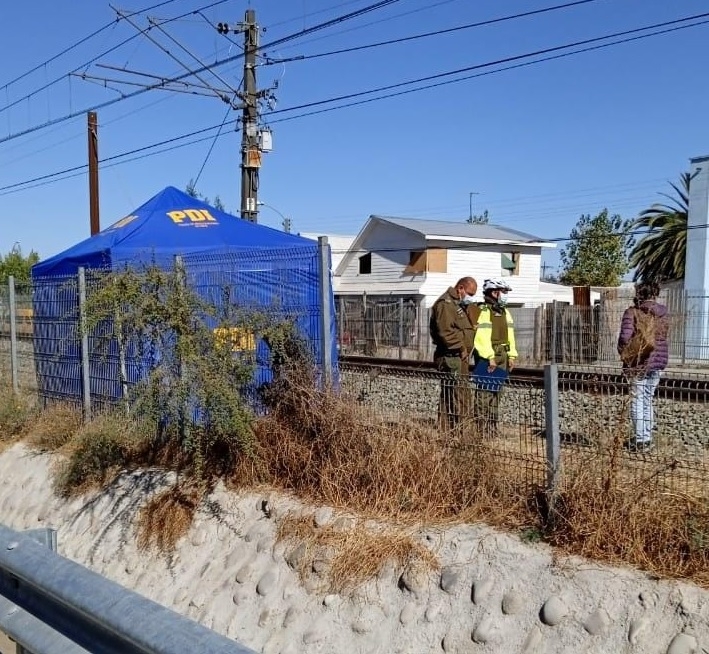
(390, 247)
(484, 262)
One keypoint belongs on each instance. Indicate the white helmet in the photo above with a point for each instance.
(490, 285)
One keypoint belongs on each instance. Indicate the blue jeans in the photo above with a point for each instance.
(642, 390)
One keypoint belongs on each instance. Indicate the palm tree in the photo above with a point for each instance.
(660, 252)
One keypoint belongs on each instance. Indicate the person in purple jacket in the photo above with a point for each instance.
(644, 374)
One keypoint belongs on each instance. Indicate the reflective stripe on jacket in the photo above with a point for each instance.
(484, 345)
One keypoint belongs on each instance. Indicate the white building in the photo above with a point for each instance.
(339, 245)
(420, 259)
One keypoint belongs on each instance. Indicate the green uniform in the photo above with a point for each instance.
(454, 336)
(494, 339)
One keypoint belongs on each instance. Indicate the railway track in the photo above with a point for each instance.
(600, 381)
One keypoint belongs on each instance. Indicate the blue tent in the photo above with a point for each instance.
(260, 267)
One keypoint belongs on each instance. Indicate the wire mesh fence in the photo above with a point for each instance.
(398, 327)
(595, 425)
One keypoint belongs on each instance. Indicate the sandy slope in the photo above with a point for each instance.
(493, 593)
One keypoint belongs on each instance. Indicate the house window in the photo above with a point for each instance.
(365, 264)
(417, 262)
(431, 260)
(510, 263)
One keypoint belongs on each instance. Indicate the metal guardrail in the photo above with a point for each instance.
(51, 605)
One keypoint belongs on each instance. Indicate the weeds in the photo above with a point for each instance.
(100, 450)
(347, 556)
(167, 517)
(17, 412)
(324, 447)
(55, 427)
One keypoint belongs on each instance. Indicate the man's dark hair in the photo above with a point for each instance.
(646, 291)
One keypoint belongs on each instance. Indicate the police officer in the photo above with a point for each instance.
(453, 336)
(494, 344)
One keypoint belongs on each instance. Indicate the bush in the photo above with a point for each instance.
(55, 427)
(17, 413)
(100, 450)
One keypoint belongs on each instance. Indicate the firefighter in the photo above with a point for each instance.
(453, 337)
(494, 344)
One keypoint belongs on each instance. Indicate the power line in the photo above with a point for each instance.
(80, 42)
(385, 19)
(504, 60)
(94, 59)
(311, 113)
(440, 32)
(373, 7)
(211, 147)
(82, 167)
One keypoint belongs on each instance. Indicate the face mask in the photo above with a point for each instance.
(502, 301)
(467, 299)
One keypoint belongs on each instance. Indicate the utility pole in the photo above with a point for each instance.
(470, 202)
(250, 133)
(94, 222)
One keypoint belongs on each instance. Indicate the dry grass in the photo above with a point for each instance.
(351, 554)
(321, 446)
(55, 427)
(167, 517)
(609, 506)
(100, 450)
(638, 522)
(17, 414)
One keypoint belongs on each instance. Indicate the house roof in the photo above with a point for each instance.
(448, 230)
(443, 230)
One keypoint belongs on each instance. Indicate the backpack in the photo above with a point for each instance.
(641, 345)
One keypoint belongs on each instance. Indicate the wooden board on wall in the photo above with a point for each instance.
(437, 260)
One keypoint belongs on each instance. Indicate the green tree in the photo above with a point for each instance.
(482, 219)
(597, 251)
(661, 251)
(191, 190)
(17, 265)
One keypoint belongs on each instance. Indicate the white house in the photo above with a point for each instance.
(339, 245)
(419, 259)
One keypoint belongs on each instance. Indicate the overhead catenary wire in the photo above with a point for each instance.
(94, 59)
(368, 100)
(423, 35)
(78, 43)
(107, 103)
(528, 55)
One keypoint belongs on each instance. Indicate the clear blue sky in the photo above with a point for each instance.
(540, 144)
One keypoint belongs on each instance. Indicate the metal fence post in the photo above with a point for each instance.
(85, 370)
(13, 335)
(401, 328)
(554, 331)
(551, 431)
(325, 308)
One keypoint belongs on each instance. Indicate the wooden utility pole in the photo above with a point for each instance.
(250, 147)
(93, 173)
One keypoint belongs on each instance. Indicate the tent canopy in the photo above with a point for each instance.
(170, 223)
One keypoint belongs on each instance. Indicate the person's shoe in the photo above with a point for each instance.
(641, 447)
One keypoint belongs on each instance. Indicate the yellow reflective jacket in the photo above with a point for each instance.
(484, 342)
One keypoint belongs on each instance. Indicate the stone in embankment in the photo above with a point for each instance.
(597, 623)
(268, 583)
(481, 589)
(553, 611)
(450, 580)
(512, 602)
(683, 644)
